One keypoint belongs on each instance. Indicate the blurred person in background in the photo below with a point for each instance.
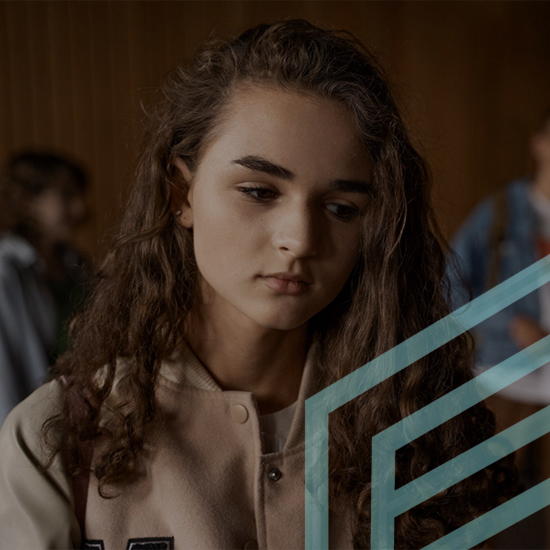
(505, 234)
(42, 277)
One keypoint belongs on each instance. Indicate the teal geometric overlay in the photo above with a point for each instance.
(386, 502)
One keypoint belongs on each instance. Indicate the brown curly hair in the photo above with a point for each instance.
(146, 285)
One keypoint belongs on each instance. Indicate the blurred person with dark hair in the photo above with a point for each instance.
(41, 276)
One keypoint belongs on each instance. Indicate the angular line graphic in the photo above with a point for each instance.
(387, 503)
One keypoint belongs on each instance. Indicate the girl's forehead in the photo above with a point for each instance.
(249, 96)
(268, 120)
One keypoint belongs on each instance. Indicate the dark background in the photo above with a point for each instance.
(473, 80)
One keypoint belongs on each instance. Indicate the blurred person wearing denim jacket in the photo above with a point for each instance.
(504, 234)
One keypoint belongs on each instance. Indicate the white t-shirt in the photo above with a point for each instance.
(276, 427)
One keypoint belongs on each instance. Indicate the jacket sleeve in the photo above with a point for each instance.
(470, 250)
(36, 506)
(23, 360)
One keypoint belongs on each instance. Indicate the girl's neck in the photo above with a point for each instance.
(244, 357)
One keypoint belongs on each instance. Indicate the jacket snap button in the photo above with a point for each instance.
(239, 414)
(251, 545)
(275, 474)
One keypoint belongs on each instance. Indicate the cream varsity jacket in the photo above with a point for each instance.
(205, 481)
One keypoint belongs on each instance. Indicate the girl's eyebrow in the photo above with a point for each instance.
(259, 164)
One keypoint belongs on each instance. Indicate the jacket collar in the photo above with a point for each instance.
(186, 369)
(18, 250)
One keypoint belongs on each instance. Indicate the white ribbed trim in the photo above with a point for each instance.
(186, 369)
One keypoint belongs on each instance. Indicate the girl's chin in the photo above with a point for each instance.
(281, 321)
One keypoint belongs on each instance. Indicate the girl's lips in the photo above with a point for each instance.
(284, 286)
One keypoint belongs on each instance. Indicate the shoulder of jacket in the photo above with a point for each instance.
(520, 185)
(23, 425)
(38, 510)
(517, 197)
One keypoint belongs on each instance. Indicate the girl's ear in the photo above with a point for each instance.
(182, 193)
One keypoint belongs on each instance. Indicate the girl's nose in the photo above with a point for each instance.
(297, 232)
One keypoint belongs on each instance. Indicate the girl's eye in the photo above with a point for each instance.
(259, 193)
(343, 211)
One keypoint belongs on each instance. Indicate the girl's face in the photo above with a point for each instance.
(278, 194)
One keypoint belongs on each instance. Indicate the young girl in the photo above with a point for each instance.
(279, 236)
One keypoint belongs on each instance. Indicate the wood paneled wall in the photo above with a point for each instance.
(473, 79)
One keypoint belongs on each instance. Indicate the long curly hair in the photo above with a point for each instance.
(147, 283)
